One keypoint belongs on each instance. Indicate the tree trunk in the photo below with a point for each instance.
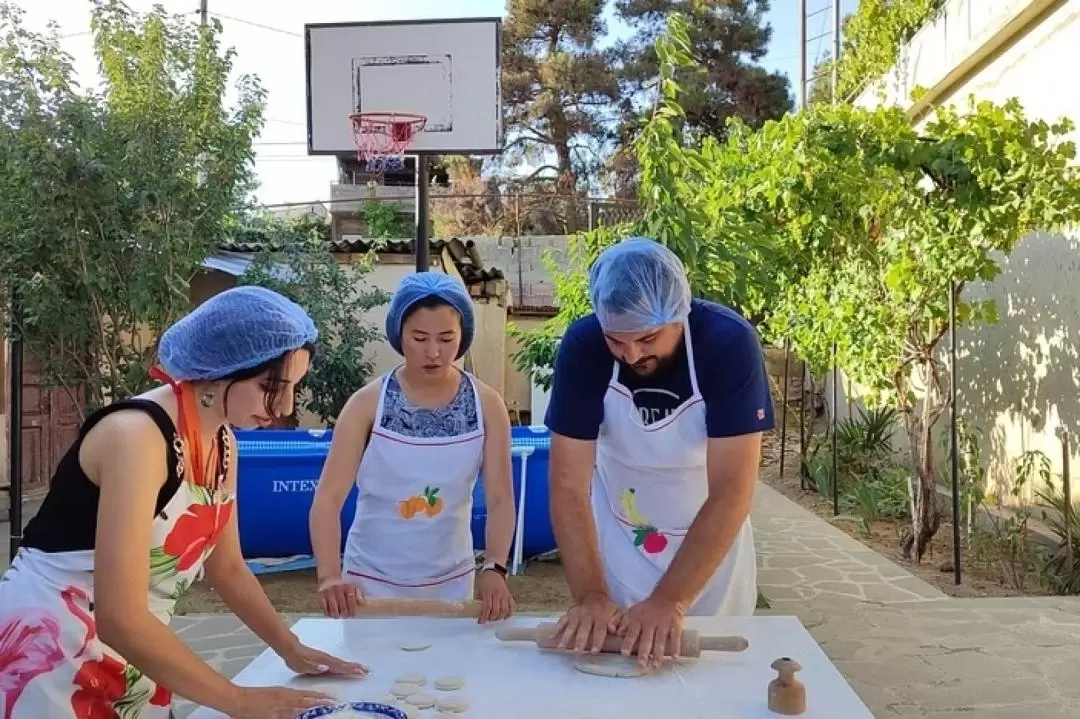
(925, 517)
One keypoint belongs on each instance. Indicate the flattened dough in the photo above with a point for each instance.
(453, 704)
(410, 711)
(421, 701)
(403, 690)
(414, 645)
(449, 684)
(418, 679)
(610, 665)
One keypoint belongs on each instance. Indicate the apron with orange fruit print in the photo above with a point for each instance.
(411, 537)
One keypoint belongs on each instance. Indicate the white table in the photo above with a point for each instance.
(519, 681)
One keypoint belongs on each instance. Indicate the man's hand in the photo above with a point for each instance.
(586, 625)
(655, 626)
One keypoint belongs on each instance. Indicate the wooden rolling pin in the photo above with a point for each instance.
(693, 644)
(416, 608)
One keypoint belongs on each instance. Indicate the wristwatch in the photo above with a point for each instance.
(495, 567)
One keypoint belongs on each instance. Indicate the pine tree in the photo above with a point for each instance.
(728, 37)
(557, 88)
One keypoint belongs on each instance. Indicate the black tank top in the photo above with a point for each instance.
(67, 519)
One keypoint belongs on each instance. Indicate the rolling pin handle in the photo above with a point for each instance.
(723, 644)
(516, 634)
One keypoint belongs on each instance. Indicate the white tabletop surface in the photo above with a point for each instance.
(516, 680)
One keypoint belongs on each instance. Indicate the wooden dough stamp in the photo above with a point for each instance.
(787, 695)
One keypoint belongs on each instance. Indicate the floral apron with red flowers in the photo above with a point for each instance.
(52, 664)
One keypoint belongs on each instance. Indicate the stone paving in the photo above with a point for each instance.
(804, 560)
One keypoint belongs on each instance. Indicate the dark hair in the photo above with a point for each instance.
(275, 380)
(430, 302)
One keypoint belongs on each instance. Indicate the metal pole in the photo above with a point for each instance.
(835, 412)
(204, 11)
(803, 431)
(423, 180)
(15, 484)
(783, 408)
(953, 433)
(836, 45)
(802, 54)
(1066, 491)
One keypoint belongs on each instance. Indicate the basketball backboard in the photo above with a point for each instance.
(446, 70)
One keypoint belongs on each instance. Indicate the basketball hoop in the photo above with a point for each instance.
(381, 138)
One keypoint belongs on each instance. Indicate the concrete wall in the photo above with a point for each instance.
(1019, 380)
(521, 260)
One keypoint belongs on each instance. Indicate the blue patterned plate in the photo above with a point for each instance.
(327, 712)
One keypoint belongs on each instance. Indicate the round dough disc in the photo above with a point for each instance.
(403, 690)
(449, 684)
(417, 679)
(453, 704)
(610, 665)
(410, 711)
(421, 701)
(414, 646)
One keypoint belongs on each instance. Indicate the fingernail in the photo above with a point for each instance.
(321, 668)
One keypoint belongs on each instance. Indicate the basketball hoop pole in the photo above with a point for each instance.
(420, 246)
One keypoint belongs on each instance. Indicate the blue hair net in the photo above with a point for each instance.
(423, 285)
(637, 285)
(235, 330)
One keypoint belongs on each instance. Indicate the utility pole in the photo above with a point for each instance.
(802, 54)
(835, 45)
(204, 11)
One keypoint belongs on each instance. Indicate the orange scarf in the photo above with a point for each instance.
(188, 426)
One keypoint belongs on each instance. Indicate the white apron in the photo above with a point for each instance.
(411, 536)
(649, 484)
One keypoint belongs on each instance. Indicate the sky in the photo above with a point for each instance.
(267, 36)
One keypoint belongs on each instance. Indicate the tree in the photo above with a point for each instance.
(844, 226)
(296, 261)
(112, 199)
(473, 205)
(726, 39)
(556, 87)
(913, 217)
(731, 254)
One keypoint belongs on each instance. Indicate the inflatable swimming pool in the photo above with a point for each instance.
(278, 471)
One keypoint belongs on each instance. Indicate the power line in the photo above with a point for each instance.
(258, 25)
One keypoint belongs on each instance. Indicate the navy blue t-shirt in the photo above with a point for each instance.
(730, 374)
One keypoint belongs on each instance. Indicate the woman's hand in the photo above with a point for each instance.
(339, 598)
(305, 660)
(496, 604)
(275, 702)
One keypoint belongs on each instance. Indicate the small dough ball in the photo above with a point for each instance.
(421, 701)
(403, 690)
(611, 665)
(449, 684)
(417, 679)
(414, 646)
(453, 704)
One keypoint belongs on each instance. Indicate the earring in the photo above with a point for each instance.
(207, 399)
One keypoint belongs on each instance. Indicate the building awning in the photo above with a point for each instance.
(237, 263)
